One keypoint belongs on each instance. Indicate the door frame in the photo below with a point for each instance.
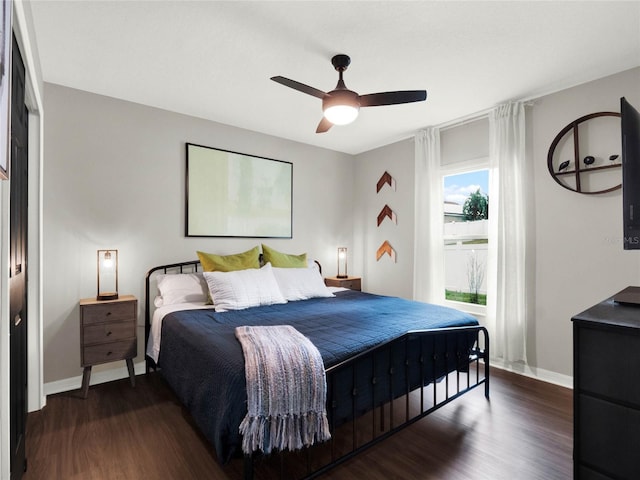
(24, 31)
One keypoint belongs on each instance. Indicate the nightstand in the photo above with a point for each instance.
(108, 333)
(353, 283)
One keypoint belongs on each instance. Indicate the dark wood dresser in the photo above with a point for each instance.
(606, 382)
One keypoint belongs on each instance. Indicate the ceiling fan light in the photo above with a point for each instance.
(341, 114)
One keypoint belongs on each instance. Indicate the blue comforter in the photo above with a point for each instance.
(203, 362)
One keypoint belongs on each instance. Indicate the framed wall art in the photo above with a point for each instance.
(5, 92)
(231, 194)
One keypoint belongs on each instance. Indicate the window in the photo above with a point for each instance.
(466, 233)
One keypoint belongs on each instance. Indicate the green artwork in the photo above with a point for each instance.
(231, 194)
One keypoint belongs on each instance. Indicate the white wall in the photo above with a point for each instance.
(580, 260)
(464, 142)
(114, 178)
(385, 276)
(578, 238)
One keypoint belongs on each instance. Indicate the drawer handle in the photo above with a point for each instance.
(108, 313)
(109, 353)
(108, 333)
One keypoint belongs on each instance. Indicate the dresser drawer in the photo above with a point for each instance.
(607, 363)
(609, 437)
(108, 312)
(109, 352)
(108, 332)
(585, 473)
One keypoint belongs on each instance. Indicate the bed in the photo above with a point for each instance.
(388, 362)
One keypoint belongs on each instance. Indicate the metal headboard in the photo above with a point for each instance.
(190, 266)
(182, 267)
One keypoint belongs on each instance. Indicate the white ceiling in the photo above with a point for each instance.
(213, 59)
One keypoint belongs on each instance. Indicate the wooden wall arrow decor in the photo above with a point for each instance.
(386, 248)
(387, 212)
(386, 178)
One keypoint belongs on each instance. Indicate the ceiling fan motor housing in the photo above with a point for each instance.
(340, 62)
(340, 97)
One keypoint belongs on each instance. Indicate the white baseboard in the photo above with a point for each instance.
(74, 383)
(537, 373)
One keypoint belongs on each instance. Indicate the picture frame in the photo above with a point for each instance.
(232, 194)
(5, 90)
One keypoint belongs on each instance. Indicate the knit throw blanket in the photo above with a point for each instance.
(286, 390)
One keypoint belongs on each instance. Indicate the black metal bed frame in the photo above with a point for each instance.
(392, 383)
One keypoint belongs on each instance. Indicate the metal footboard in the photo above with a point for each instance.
(375, 394)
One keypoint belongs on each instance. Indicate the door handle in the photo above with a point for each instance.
(17, 320)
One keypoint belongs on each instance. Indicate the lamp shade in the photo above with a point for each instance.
(342, 262)
(341, 107)
(341, 114)
(107, 275)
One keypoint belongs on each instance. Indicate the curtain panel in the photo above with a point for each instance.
(507, 290)
(428, 270)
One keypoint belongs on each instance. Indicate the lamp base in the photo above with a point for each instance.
(342, 276)
(107, 296)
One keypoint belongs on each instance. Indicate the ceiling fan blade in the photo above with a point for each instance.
(324, 125)
(301, 87)
(392, 98)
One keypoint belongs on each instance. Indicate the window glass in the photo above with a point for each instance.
(466, 239)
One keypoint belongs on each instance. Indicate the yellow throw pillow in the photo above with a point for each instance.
(230, 263)
(283, 260)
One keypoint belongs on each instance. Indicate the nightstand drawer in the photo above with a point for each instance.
(109, 352)
(108, 332)
(352, 283)
(108, 312)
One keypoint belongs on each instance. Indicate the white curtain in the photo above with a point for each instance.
(507, 290)
(428, 273)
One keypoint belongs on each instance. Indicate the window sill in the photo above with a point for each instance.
(472, 308)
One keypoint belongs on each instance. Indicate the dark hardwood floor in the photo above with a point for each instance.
(119, 432)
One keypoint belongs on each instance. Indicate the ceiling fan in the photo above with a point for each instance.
(341, 105)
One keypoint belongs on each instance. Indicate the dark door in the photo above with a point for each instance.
(18, 176)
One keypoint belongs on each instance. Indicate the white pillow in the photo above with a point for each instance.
(243, 288)
(301, 283)
(181, 288)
